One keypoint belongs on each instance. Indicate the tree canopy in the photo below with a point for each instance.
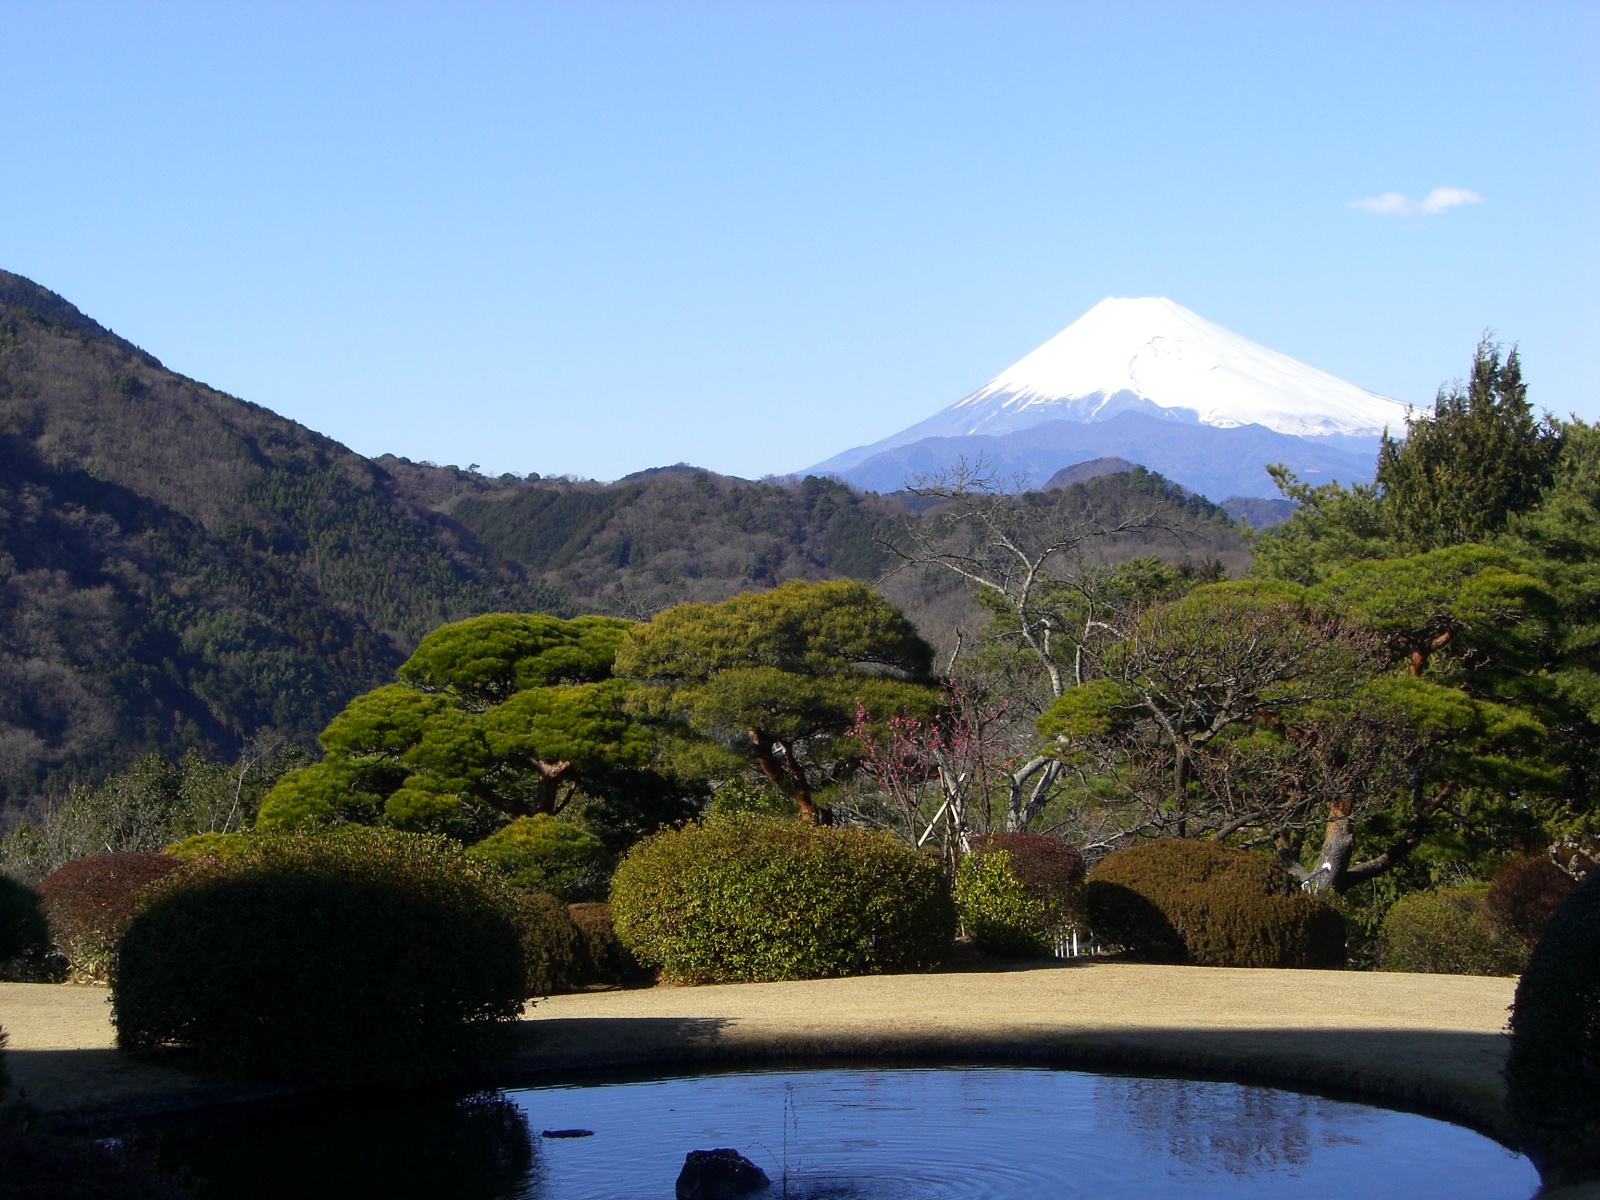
(1470, 558)
(782, 674)
(1467, 467)
(500, 715)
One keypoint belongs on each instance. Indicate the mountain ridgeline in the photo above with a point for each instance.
(678, 534)
(180, 568)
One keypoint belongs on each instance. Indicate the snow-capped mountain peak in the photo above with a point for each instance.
(1124, 380)
(1153, 355)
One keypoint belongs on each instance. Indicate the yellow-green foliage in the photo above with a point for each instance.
(493, 713)
(1186, 900)
(359, 956)
(791, 667)
(749, 898)
(1446, 932)
(209, 845)
(488, 659)
(996, 910)
(745, 794)
(546, 855)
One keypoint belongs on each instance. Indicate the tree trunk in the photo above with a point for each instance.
(1180, 788)
(952, 784)
(787, 776)
(813, 813)
(1334, 869)
(550, 776)
(1338, 843)
(1018, 811)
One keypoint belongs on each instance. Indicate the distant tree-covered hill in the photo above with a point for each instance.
(180, 568)
(677, 533)
(680, 533)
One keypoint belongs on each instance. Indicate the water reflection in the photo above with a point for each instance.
(903, 1134)
(1239, 1131)
(475, 1147)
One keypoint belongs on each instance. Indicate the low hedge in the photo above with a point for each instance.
(353, 957)
(1524, 896)
(602, 958)
(760, 898)
(1553, 1072)
(1186, 900)
(1446, 932)
(23, 927)
(1018, 893)
(552, 945)
(88, 902)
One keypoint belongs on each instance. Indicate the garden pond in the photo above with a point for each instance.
(985, 1133)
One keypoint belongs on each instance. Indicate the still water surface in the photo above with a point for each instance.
(902, 1134)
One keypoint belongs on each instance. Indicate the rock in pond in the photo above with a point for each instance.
(719, 1175)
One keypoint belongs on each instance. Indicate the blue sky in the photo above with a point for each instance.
(596, 238)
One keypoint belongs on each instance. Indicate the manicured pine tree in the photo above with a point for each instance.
(784, 673)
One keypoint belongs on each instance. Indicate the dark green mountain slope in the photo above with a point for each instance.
(178, 567)
(663, 536)
(678, 533)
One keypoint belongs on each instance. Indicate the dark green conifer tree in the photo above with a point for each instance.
(1480, 457)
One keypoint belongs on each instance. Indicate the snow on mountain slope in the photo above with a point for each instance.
(1124, 351)
(1153, 356)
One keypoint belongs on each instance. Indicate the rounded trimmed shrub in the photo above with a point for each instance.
(546, 855)
(23, 928)
(351, 957)
(1524, 896)
(753, 898)
(1553, 1072)
(1018, 893)
(90, 900)
(602, 958)
(1185, 900)
(1445, 932)
(551, 944)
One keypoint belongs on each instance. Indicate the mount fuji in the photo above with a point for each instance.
(1149, 381)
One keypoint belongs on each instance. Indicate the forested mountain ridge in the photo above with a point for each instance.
(673, 534)
(180, 568)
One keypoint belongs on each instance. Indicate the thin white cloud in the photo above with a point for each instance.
(1390, 204)
(1395, 204)
(1440, 199)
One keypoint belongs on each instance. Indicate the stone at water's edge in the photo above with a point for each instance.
(719, 1175)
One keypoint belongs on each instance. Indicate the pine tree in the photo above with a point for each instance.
(1480, 457)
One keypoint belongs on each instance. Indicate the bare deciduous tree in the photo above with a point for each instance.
(1024, 552)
